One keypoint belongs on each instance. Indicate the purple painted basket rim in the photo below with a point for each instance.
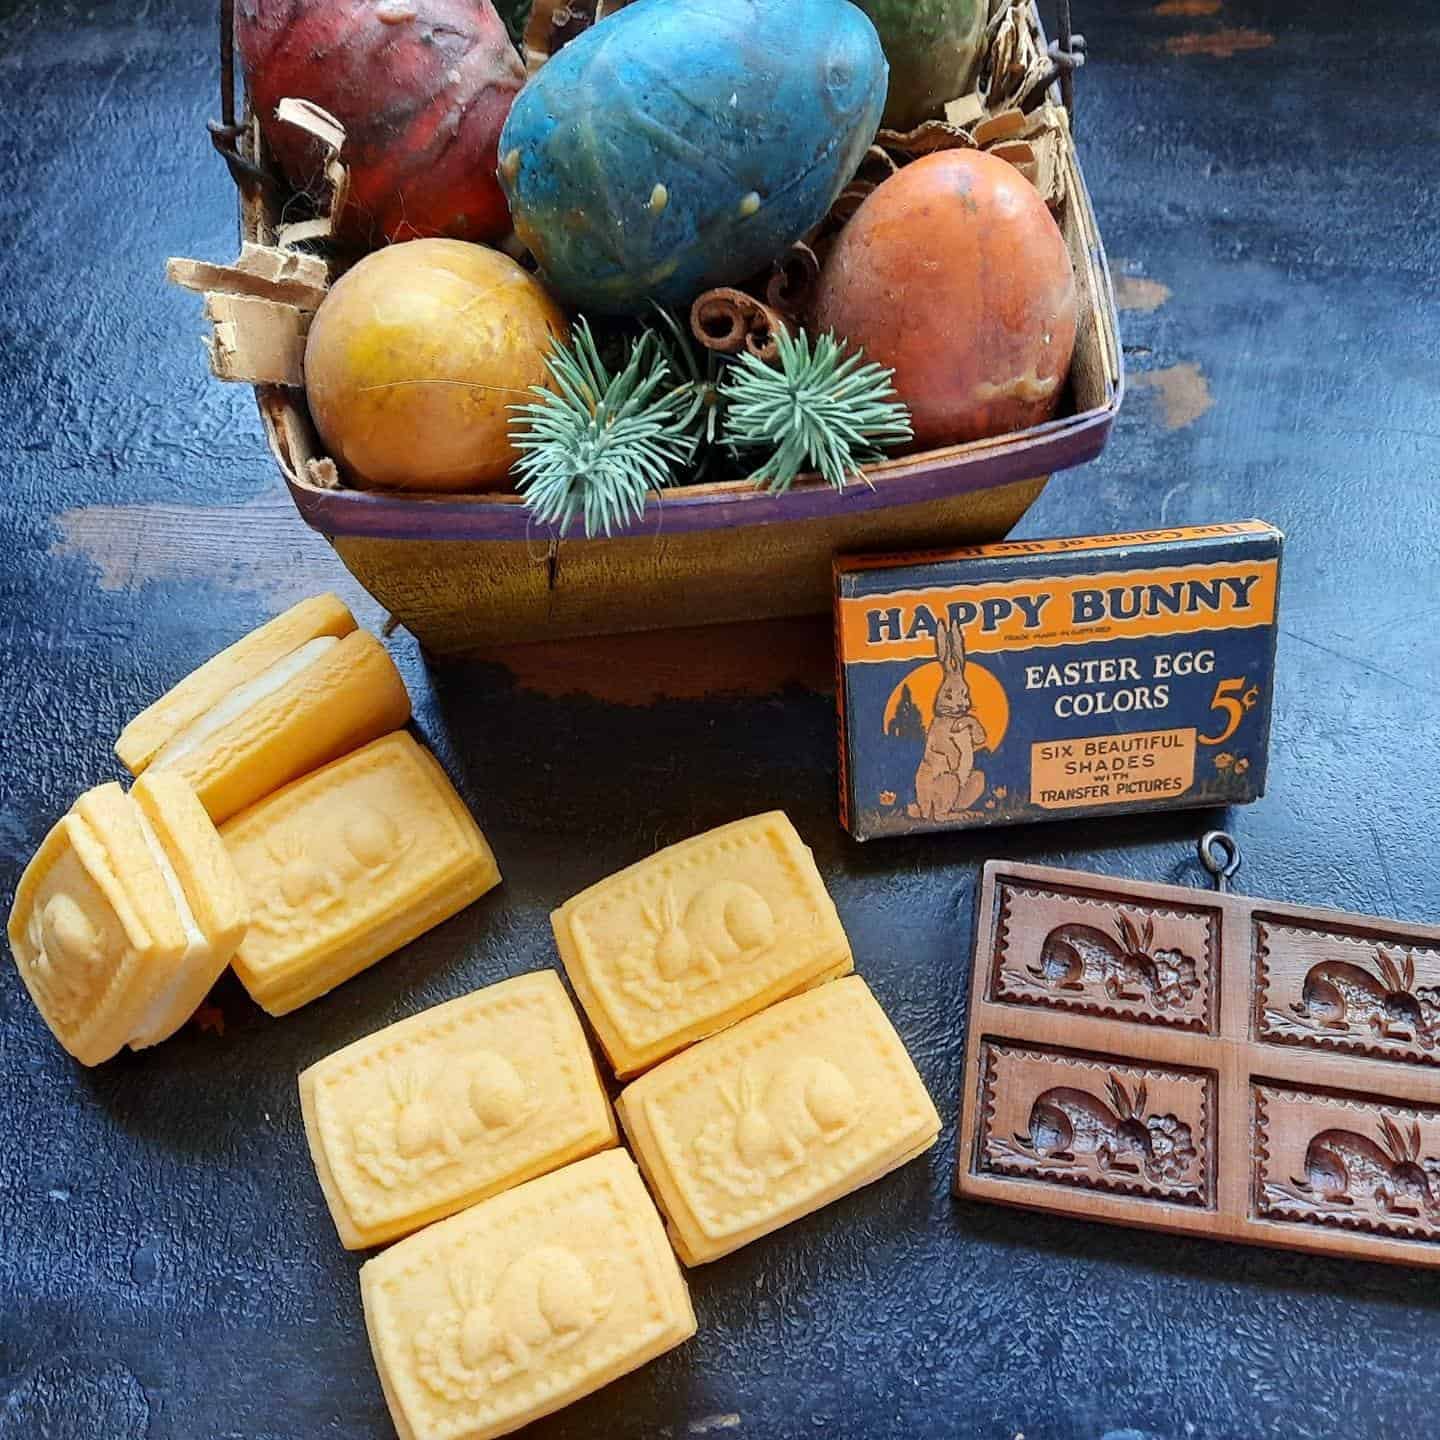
(937, 475)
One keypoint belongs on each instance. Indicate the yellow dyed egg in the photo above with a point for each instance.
(415, 356)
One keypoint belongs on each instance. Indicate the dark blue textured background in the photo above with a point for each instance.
(167, 1268)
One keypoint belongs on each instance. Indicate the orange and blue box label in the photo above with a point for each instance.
(1035, 680)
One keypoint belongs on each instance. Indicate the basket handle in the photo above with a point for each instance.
(225, 132)
(1067, 55)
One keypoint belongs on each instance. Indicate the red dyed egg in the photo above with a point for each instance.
(422, 88)
(954, 274)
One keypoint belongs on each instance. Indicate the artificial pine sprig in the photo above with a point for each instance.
(819, 409)
(598, 443)
(680, 352)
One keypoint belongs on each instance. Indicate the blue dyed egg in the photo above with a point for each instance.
(681, 144)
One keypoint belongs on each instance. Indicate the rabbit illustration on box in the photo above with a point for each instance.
(1069, 1126)
(1340, 996)
(1124, 966)
(946, 781)
(1344, 1167)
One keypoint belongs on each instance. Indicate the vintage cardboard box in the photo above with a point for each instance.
(1036, 680)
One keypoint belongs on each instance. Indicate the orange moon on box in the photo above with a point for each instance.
(987, 698)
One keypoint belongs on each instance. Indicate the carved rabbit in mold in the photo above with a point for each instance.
(1340, 996)
(1346, 1168)
(946, 781)
(1125, 966)
(1068, 1124)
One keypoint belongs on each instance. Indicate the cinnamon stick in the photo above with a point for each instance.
(728, 321)
(791, 286)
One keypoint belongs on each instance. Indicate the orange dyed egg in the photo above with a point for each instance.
(415, 357)
(954, 274)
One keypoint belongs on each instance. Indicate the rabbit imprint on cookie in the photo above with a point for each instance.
(773, 1129)
(698, 935)
(435, 1112)
(726, 923)
(524, 1302)
(426, 1127)
(543, 1303)
(946, 781)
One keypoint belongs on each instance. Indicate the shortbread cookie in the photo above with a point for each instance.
(523, 1303)
(781, 1114)
(347, 865)
(126, 916)
(697, 937)
(451, 1106)
(303, 689)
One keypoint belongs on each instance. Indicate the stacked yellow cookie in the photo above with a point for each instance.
(776, 1117)
(556, 1277)
(341, 840)
(347, 864)
(451, 1106)
(524, 1303)
(698, 936)
(304, 688)
(774, 1093)
(787, 1105)
(127, 914)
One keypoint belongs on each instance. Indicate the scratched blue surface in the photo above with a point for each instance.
(167, 1266)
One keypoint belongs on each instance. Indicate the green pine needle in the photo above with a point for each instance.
(819, 410)
(597, 444)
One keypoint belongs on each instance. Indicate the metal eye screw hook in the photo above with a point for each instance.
(1220, 855)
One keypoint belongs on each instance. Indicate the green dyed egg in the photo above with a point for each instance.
(933, 47)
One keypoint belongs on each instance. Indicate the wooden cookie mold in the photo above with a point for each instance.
(1204, 1062)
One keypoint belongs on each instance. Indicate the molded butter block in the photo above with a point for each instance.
(697, 937)
(781, 1114)
(523, 1303)
(453, 1105)
(347, 865)
(125, 916)
(239, 664)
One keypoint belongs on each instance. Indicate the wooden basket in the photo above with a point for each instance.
(464, 571)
